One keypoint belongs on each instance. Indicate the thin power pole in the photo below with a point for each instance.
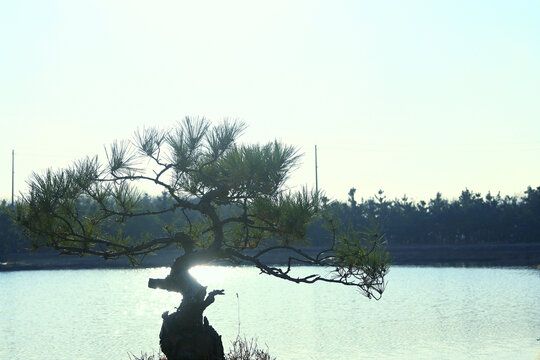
(316, 177)
(12, 177)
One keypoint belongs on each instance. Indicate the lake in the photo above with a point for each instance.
(425, 313)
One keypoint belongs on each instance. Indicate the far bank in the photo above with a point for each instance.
(478, 255)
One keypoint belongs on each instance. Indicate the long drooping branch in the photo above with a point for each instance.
(367, 279)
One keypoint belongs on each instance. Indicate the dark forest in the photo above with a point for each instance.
(473, 218)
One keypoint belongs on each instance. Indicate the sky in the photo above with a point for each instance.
(411, 97)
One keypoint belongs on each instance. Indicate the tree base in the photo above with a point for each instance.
(187, 340)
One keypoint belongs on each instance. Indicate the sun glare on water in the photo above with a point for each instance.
(210, 275)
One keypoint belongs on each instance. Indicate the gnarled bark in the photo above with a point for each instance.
(186, 334)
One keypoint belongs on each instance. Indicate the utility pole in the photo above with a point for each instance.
(12, 177)
(316, 178)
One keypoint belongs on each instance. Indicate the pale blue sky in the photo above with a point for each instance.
(412, 97)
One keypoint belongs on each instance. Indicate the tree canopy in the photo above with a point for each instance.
(232, 198)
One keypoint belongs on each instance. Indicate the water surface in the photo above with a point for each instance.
(425, 313)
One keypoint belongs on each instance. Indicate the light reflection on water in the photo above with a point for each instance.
(425, 313)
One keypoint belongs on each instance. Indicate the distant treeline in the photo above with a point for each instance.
(471, 219)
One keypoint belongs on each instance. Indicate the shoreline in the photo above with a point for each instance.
(478, 255)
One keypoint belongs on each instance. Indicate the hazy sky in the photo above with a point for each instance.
(412, 97)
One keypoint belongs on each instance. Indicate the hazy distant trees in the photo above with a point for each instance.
(470, 219)
(12, 240)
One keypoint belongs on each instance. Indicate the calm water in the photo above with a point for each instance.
(425, 313)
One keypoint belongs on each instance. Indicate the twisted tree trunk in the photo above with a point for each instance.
(186, 334)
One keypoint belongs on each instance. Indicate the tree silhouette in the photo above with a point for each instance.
(234, 205)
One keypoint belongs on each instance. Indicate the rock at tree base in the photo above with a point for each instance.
(185, 340)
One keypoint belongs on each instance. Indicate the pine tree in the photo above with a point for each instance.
(235, 207)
